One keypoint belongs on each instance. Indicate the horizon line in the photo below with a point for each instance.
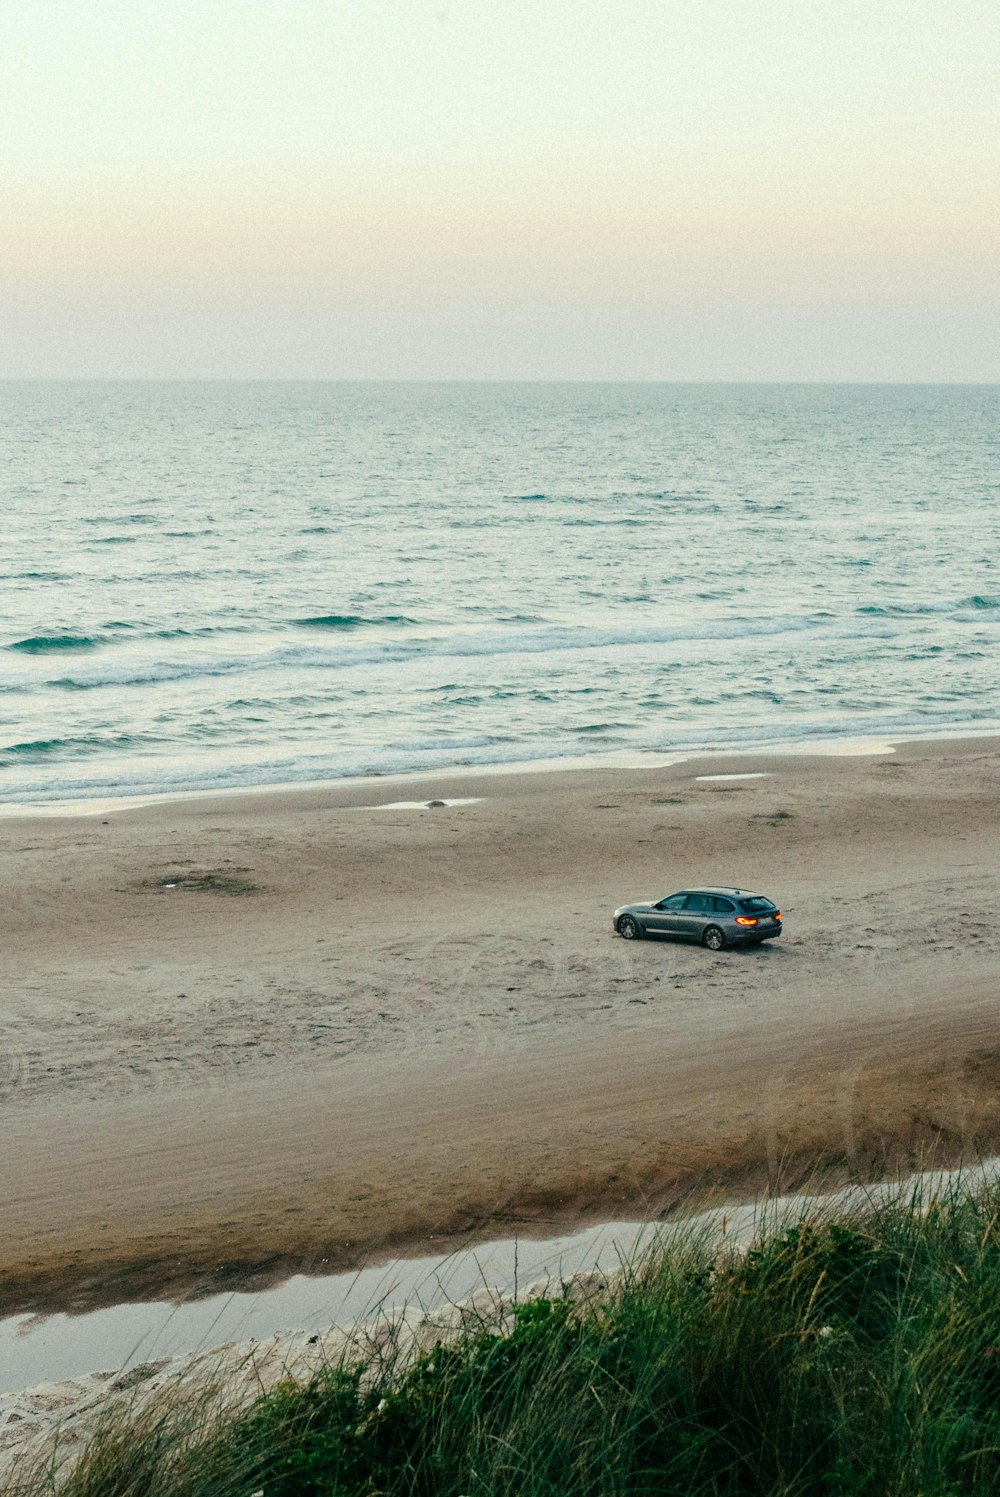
(307, 379)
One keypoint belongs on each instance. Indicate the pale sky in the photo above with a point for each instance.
(500, 189)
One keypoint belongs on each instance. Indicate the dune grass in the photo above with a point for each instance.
(840, 1357)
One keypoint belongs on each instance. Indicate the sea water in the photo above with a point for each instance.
(208, 585)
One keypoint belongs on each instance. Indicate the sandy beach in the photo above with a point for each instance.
(298, 1029)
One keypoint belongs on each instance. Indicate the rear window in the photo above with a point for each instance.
(721, 906)
(756, 906)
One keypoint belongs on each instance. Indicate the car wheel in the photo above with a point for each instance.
(713, 938)
(629, 928)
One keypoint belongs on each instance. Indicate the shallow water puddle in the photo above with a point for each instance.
(424, 805)
(763, 774)
(52, 1348)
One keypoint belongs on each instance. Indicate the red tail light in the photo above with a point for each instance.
(746, 919)
(777, 914)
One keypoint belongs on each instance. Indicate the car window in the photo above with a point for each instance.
(721, 906)
(697, 903)
(675, 902)
(756, 906)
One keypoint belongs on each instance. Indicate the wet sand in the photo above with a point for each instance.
(348, 1030)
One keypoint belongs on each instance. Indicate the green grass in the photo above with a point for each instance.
(838, 1357)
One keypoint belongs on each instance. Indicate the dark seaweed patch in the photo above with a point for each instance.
(229, 881)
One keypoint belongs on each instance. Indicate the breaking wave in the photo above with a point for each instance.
(52, 644)
(349, 621)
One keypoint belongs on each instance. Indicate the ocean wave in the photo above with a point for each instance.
(901, 610)
(44, 748)
(437, 647)
(46, 644)
(981, 600)
(35, 576)
(203, 631)
(609, 522)
(119, 520)
(35, 747)
(960, 607)
(350, 621)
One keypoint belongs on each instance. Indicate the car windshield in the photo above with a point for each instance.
(757, 906)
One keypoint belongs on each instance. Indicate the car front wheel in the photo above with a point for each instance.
(629, 928)
(713, 938)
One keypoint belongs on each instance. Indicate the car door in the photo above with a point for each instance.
(723, 910)
(695, 915)
(663, 917)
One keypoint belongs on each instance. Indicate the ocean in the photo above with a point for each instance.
(208, 585)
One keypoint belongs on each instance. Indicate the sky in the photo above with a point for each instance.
(500, 189)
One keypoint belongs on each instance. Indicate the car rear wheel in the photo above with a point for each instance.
(629, 928)
(713, 938)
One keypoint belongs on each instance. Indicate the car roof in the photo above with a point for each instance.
(720, 889)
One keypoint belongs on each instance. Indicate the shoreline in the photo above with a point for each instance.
(416, 1027)
(831, 747)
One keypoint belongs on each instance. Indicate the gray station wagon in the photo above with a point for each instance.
(715, 917)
